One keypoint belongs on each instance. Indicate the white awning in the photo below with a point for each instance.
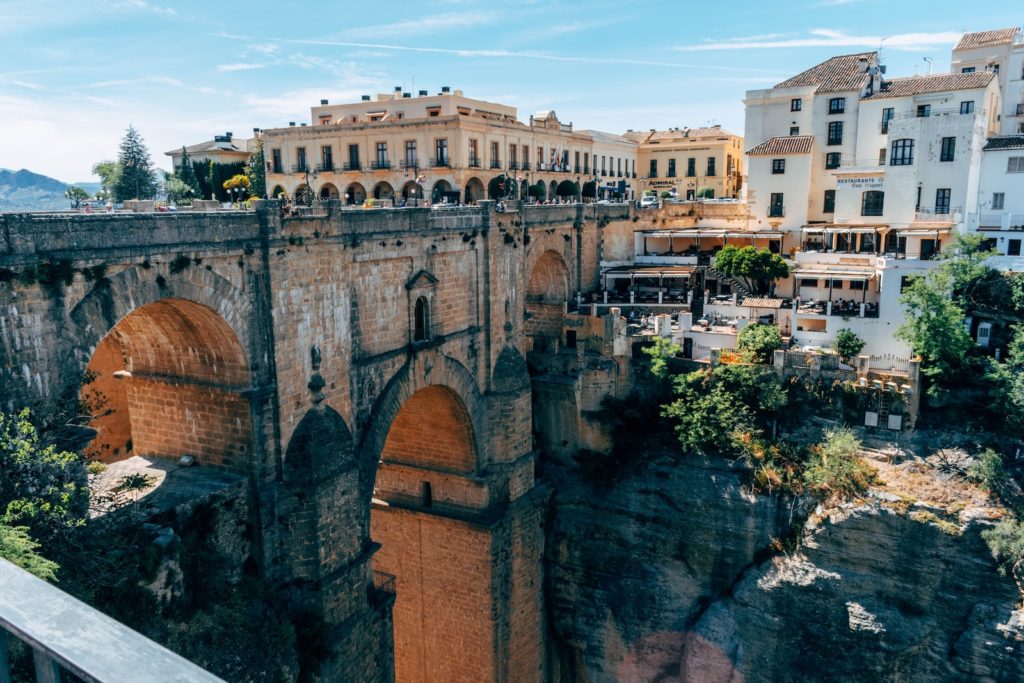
(812, 229)
(834, 275)
(857, 230)
(919, 233)
(754, 235)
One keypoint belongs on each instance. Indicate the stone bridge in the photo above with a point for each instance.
(362, 370)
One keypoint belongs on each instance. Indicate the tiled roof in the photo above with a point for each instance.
(838, 74)
(791, 144)
(969, 41)
(918, 85)
(1004, 142)
(688, 133)
(238, 145)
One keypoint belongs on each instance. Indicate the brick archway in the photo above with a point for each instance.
(182, 371)
(547, 290)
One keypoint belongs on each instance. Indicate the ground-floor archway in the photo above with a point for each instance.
(474, 190)
(383, 190)
(355, 194)
(169, 380)
(442, 190)
(278, 192)
(412, 191)
(553, 189)
(441, 563)
(328, 191)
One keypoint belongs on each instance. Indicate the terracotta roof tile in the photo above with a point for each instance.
(918, 85)
(837, 74)
(969, 41)
(792, 144)
(1005, 142)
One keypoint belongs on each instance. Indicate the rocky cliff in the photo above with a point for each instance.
(675, 573)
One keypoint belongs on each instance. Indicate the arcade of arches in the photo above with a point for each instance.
(441, 562)
(168, 380)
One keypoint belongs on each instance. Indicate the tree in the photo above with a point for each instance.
(835, 470)
(965, 261)
(76, 196)
(934, 325)
(109, 172)
(848, 344)
(237, 186)
(177, 190)
(750, 265)
(759, 341)
(257, 171)
(137, 179)
(538, 191)
(17, 546)
(187, 173)
(665, 194)
(589, 189)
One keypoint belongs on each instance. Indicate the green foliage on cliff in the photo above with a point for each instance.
(18, 547)
(759, 342)
(835, 470)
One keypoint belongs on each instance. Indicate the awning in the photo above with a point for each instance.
(858, 230)
(754, 235)
(761, 302)
(835, 274)
(811, 229)
(649, 271)
(911, 232)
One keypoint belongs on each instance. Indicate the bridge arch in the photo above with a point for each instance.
(547, 290)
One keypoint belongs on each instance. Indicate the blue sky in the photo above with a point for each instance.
(74, 75)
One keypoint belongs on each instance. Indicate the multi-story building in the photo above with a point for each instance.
(1000, 201)
(615, 159)
(436, 147)
(691, 162)
(1000, 52)
(871, 176)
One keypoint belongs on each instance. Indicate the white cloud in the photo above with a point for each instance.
(830, 38)
(451, 21)
(241, 66)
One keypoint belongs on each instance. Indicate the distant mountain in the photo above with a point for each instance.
(27, 191)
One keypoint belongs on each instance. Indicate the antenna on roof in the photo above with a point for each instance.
(929, 60)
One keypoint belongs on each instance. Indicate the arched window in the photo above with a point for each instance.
(421, 324)
(872, 203)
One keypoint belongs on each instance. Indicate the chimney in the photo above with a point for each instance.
(291, 123)
(406, 95)
(228, 135)
(445, 89)
(365, 98)
(303, 124)
(423, 93)
(323, 102)
(398, 88)
(256, 131)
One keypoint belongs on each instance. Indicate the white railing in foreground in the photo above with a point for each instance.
(65, 634)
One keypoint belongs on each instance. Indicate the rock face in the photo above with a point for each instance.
(669, 576)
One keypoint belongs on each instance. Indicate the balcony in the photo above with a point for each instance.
(380, 165)
(513, 166)
(352, 166)
(996, 221)
(277, 168)
(474, 163)
(525, 166)
(496, 165)
(1019, 111)
(299, 168)
(941, 214)
(411, 164)
(325, 168)
(776, 211)
(442, 162)
(576, 169)
(586, 170)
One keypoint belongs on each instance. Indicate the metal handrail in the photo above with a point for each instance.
(384, 582)
(82, 641)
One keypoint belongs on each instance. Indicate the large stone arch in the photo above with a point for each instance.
(548, 288)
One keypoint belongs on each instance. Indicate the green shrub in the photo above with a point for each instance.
(988, 471)
(848, 344)
(759, 341)
(835, 470)
(17, 546)
(1006, 541)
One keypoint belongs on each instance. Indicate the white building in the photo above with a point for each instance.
(1000, 52)
(1000, 200)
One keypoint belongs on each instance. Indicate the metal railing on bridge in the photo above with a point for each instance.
(66, 635)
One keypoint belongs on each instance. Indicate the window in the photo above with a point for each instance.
(513, 158)
(652, 173)
(382, 155)
(711, 166)
(830, 202)
(796, 104)
(778, 166)
(902, 153)
(837, 105)
(300, 159)
(967, 107)
(808, 282)
(835, 133)
(275, 156)
(881, 157)
(540, 159)
(906, 281)
(998, 200)
(353, 157)
(887, 115)
(326, 158)
(856, 284)
(872, 203)
(794, 130)
(776, 208)
(837, 284)
(917, 204)
(832, 160)
(967, 70)
(421, 320)
(495, 158)
(948, 149)
(410, 154)
(671, 168)
(1013, 248)
(1015, 165)
(924, 110)
(434, 112)
(441, 151)
(942, 200)
(995, 69)
(426, 495)
(691, 167)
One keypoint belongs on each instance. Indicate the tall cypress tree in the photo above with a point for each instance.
(187, 174)
(137, 179)
(256, 170)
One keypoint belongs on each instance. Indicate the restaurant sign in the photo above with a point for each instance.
(862, 183)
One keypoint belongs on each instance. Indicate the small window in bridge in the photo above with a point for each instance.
(421, 326)
(427, 495)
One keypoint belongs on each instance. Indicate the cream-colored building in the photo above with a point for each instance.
(222, 149)
(692, 161)
(444, 147)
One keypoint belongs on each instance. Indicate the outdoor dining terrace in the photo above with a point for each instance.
(922, 242)
(699, 246)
